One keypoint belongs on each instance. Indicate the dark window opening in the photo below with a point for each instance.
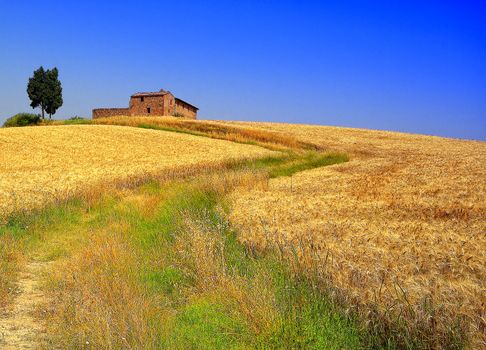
(141, 99)
(148, 110)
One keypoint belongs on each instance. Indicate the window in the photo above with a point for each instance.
(148, 110)
(141, 99)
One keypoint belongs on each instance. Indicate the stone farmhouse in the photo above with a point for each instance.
(161, 103)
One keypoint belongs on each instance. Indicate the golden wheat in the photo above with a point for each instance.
(43, 164)
(402, 223)
(273, 140)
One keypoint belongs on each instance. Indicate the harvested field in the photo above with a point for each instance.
(44, 164)
(400, 228)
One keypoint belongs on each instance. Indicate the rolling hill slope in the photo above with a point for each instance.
(43, 164)
(390, 244)
(399, 227)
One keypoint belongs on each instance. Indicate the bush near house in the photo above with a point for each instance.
(22, 119)
(77, 120)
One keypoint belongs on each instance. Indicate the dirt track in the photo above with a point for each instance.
(19, 328)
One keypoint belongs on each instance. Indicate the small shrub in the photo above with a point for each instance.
(77, 120)
(22, 119)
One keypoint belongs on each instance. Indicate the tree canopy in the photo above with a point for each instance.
(45, 90)
(54, 92)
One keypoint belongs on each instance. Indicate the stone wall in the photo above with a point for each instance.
(109, 112)
(184, 110)
(152, 105)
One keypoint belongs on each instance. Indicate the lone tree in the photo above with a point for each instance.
(45, 91)
(54, 92)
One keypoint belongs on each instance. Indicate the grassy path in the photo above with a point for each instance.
(160, 267)
(20, 328)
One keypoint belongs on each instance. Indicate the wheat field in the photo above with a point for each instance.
(39, 165)
(399, 230)
(208, 128)
(400, 227)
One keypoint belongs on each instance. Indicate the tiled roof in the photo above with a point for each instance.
(158, 93)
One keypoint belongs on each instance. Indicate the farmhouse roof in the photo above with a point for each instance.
(162, 92)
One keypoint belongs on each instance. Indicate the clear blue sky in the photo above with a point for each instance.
(416, 66)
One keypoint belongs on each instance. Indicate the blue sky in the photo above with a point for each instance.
(415, 66)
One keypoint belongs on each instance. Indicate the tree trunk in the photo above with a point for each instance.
(42, 108)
